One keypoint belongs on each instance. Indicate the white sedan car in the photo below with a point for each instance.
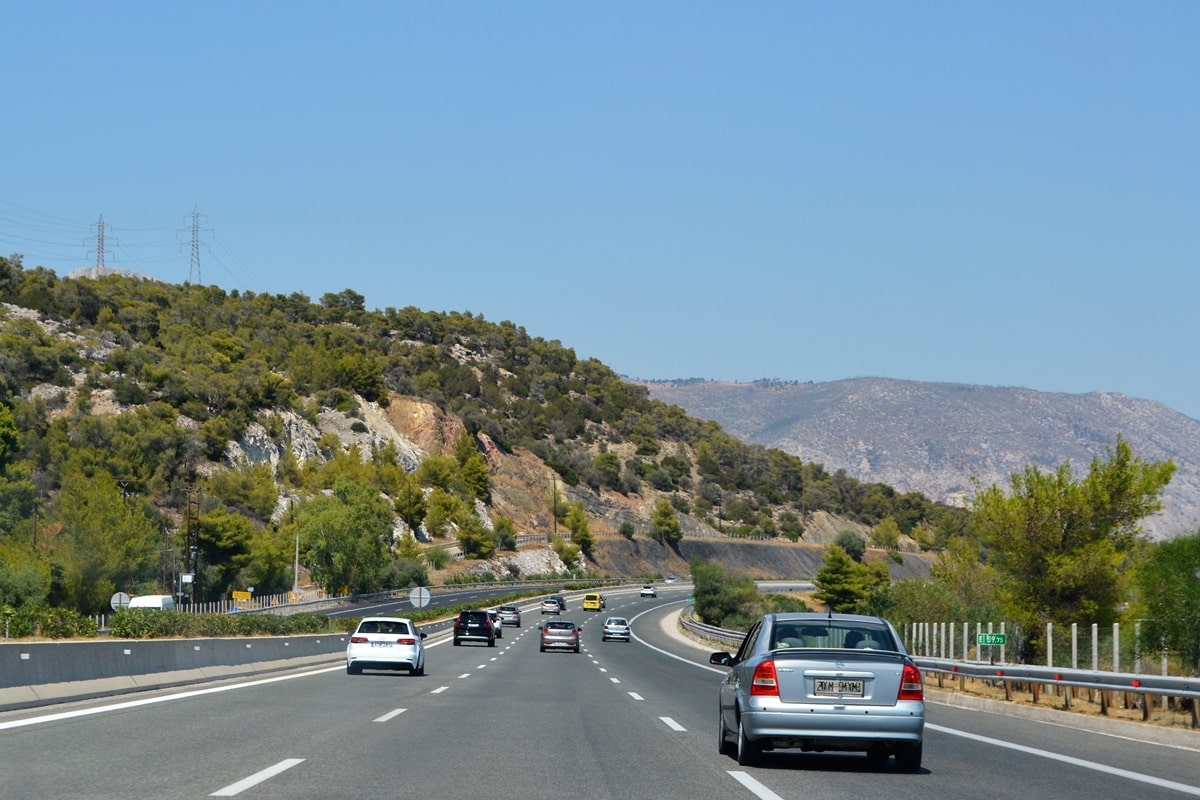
(649, 591)
(386, 643)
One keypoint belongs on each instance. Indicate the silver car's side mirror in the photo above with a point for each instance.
(721, 659)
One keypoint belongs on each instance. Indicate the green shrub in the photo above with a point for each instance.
(51, 623)
(143, 623)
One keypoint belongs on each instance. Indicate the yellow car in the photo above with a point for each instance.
(592, 602)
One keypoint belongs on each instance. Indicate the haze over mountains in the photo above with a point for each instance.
(934, 437)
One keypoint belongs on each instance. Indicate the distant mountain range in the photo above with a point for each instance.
(933, 437)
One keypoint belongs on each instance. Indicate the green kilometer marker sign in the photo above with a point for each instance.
(992, 638)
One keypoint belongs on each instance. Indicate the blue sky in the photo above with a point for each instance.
(1004, 194)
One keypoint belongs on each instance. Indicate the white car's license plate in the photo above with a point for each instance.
(381, 644)
(838, 687)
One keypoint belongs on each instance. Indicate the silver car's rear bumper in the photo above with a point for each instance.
(820, 727)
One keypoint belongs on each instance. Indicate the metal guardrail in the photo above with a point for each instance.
(1136, 683)
(722, 636)
(1009, 674)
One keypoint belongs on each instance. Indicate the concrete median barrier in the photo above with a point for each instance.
(44, 673)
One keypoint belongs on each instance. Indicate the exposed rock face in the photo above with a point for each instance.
(526, 564)
(303, 438)
(933, 438)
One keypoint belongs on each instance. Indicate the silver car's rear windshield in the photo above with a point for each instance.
(855, 636)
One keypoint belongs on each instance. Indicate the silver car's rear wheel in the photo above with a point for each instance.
(747, 751)
(908, 757)
(722, 740)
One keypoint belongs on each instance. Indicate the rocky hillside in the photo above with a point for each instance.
(934, 437)
(152, 391)
(760, 560)
(522, 483)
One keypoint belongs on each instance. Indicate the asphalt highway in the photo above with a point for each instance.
(620, 720)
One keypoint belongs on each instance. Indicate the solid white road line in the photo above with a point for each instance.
(257, 778)
(84, 712)
(1078, 762)
(644, 643)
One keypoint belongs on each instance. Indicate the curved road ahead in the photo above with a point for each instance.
(618, 721)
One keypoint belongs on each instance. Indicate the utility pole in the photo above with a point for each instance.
(296, 572)
(165, 581)
(192, 539)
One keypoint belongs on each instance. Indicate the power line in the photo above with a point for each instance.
(55, 242)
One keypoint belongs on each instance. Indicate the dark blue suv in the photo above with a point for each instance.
(474, 626)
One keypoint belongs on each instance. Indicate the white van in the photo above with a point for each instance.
(161, 602)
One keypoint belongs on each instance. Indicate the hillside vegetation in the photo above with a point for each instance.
(151, 429)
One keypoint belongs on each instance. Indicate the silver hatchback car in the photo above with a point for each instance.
(616, 628)
(560, 635)
(821, 682)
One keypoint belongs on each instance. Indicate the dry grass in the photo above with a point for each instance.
(1128, 706)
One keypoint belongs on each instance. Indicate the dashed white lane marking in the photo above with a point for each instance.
(390, 715)
(754, 786)
(464, 675)
(672, 724)
(636, 696)
(615, 680)
(257, 778)
(439, 689)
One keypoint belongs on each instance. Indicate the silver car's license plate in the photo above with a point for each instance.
(838, 687)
